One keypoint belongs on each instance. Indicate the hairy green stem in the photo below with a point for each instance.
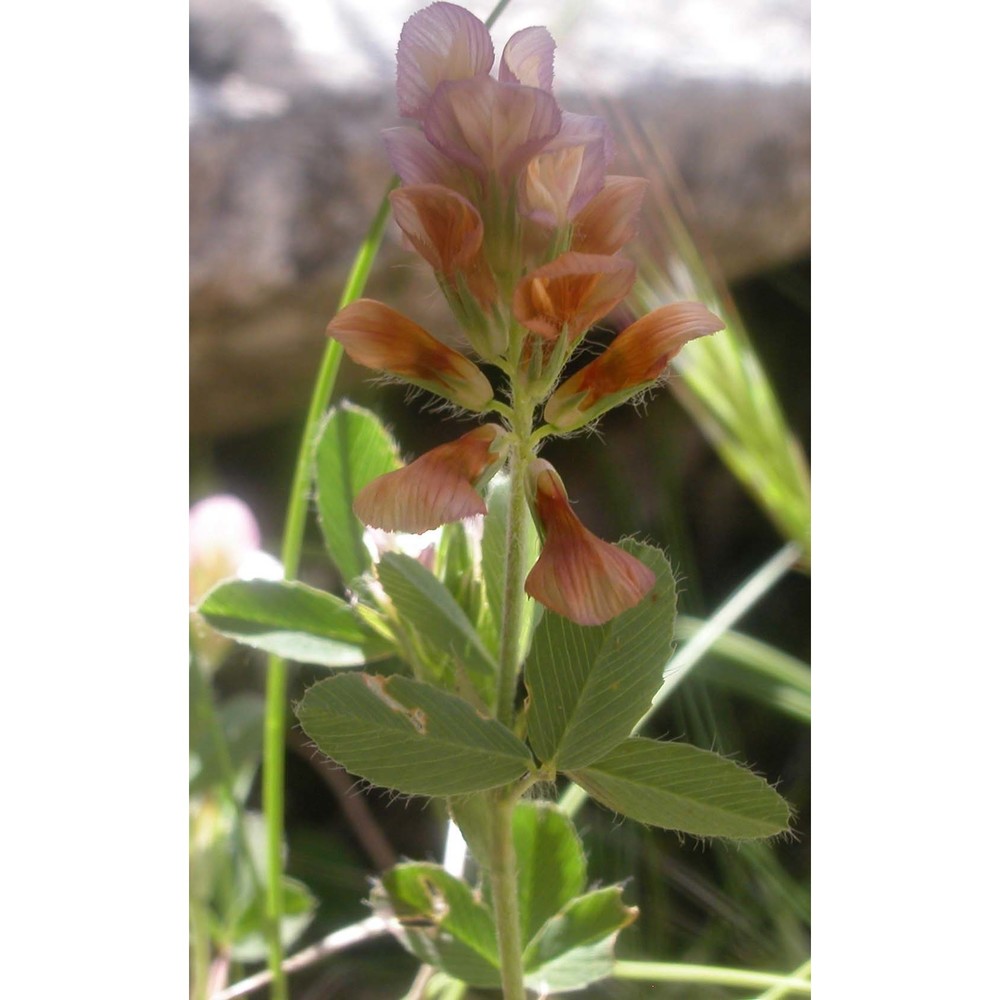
(503, 879)
(291, 553)
(671, 972)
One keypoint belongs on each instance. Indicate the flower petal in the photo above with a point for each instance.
(528, 57)
(418, 162)
(573, 291)
(490, 127)
(381, 338)
(577, 575)
(440, 42)
(567, 174)
(633, 361)
(438, 487)
(611, 218)
(444, 227)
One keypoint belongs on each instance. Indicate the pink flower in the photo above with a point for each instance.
(441, 42)
(577, 575)
(572, 292)
(438, 487)
(418, 162)
(489, 127)
(527, 58)
(381, 338)
(636, 358)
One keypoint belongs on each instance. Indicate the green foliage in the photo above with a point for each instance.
(292, 620)
(576, 946)
(589, 686)
(442, 640)
(680, 787)
(402, 734)
(353, 449)
(551, 865)
(568, 938)
(443, 924)
(756, 670)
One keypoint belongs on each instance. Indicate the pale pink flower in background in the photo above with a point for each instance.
(224, 542)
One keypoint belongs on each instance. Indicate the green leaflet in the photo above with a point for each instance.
(551, 865)
(576, 946)
(680, 787)
(443, 924)
(590, 685)
(292, 620)
(353, 449)
(429, 612)
(403, 734)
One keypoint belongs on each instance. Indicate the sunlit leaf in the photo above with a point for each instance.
(353, 448)
(292, 620)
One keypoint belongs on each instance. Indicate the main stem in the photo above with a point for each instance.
(502, 860)
(503, 878)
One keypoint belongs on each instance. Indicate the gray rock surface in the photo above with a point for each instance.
(287, 164)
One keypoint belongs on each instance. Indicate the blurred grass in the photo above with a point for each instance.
(722, 383)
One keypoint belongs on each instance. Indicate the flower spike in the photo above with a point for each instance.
(572, 292)
(438, 487)
(577, 575)
(440, 42)
(381, 338)
(636, 358)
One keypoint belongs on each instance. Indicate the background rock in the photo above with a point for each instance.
(287, 164)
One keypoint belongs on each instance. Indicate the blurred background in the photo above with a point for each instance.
(710, 100)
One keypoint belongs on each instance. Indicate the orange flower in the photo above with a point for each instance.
(573, 292)
(438, 487)
(444, 227)
(611, 218)
(634, 361)
(447, 231)
(381, 338)
(577, 575)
